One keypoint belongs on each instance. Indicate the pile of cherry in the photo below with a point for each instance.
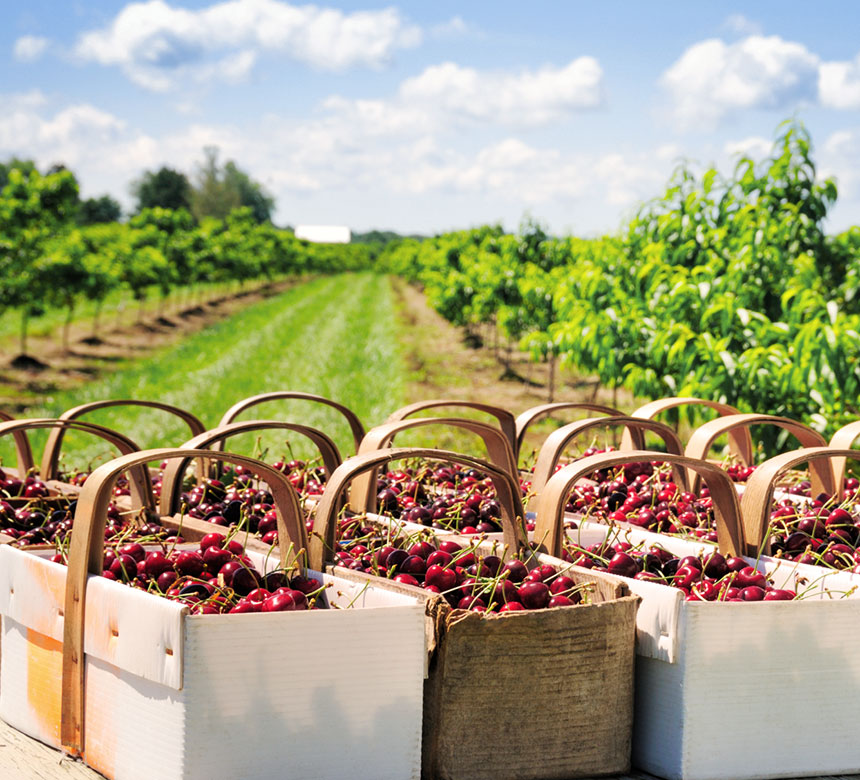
(451, 498)
(644, 495)
(216, 577)
(466, 578)
(820, 531)
(237, 500)
(703, 577)
(43, 521)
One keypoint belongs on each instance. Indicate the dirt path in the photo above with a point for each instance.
(442, 362)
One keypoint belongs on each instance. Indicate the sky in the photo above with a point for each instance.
(427, 117)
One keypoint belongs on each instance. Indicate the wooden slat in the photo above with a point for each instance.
(24, 758)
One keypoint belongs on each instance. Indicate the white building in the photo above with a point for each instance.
(324, 234)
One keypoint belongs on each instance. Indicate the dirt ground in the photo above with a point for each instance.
(58, 369)
(444, 362)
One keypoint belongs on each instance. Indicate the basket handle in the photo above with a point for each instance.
(549, 527)
(758, 494)
(558, 440)
(505, 418)
(362, 494)
(55, 437)
(280, 395)
(740, 442)
(139, 481)
(171, 484)
(703, 438)
(534, 414)
(842, 440)
(23, 451)
(322, 542)
(86, 555)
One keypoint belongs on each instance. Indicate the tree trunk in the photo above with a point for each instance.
(97, 316)
(25, 322)
(70, 310)
(551, 378)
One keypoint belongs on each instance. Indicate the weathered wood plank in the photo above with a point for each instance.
(24, 758)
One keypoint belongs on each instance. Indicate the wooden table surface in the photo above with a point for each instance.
(23, 758)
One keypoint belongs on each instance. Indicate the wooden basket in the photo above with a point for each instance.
(139, 688)
(751, 668)
(543, 694)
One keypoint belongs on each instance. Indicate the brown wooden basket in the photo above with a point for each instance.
(543, 694)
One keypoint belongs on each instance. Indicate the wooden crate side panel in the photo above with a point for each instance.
(545, 695)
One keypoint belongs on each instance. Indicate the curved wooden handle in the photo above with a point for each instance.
(549, 526)
(140, 484)
(362, 494)
(505, 418)
(23, 451)
(558, 440)
(55, 437)
(740, 442)
(758, 495)
(171, 481)
(86, 556)
(842, 440)
(282, 395)
(704, 437)
(529, 416)
(322, 542)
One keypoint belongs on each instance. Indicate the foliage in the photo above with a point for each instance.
(47, 259)
(726, 287)
(94, 210)
(165, 188)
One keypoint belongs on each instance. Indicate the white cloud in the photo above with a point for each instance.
(158, 45)
(455, 26)
(28, 48)
(741, 25)
(839, 84)
(840, 159)
(315, 166)
(754, 146)
(528, 97)
(713, 78)
(450, 95)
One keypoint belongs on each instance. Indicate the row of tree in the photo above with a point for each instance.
(48, 258)
(726, 287)
(214, 190)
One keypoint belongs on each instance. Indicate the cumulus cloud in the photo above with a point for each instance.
(741, 25)
(158, 45)
(713, 78)
(28, 48)
(334, 159)
(839, 84)
(455, 26)
(450, 95)
(754, 146)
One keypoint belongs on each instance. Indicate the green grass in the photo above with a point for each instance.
(333, 336)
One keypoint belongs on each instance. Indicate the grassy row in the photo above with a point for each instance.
(333, 336)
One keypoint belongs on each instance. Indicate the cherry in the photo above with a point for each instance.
(280, 602)
(534, 595)
(189, 564)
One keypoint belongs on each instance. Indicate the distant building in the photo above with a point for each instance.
(324, 234)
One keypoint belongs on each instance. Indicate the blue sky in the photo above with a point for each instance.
(426, 117)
